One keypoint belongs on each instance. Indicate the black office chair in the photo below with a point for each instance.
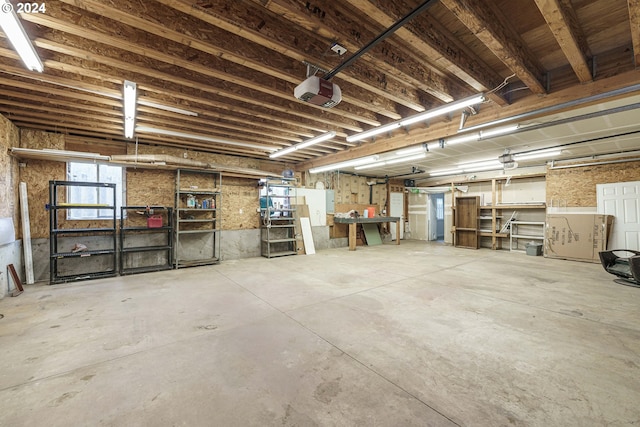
(627, 268)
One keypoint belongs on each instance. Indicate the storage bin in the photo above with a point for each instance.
(534, 249)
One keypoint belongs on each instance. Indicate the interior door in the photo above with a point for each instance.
(396, 208)
(622, 200)
(418, 215)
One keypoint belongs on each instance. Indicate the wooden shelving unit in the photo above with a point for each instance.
(494, 220)
(466, 222)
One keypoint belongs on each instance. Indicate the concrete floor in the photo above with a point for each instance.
(417, 334)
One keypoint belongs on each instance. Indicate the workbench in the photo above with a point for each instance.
(361, 220)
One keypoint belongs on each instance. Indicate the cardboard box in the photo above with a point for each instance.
(577, 237)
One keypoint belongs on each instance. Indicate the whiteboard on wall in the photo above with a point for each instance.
(7, 232)
(317, 202)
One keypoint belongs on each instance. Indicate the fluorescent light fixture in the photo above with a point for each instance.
(413, 150)
(18, 37)
(497, 131)
(392, 161)
(481, 163)
(282, 152)
(347, 164)
(540, 154)
(407, 158)
(129, 108)
(167, 108)
(373, 132)
(445, 172)
(199, 137)
(324, 137)
(445, 109)
(435, 112)
(486, 167)
(304, 144)
(472, 137)
(370, 166)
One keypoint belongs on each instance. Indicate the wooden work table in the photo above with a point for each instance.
(361, 220)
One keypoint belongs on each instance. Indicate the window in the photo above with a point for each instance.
(90, 172)
(439, 208)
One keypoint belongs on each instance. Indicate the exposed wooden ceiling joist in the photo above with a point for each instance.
(232, 66)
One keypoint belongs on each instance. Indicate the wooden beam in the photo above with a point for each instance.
(272, 91)
(277, 33)
(489, 114)
(253, 117)
(634, 21)
(335, 23)
(430, 39)
(163, 23)
(490, 26)
(563, 23)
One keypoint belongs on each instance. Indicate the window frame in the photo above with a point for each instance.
(95, 214)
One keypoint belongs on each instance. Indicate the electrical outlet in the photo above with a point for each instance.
(340, 50)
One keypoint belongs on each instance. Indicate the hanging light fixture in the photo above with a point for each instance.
(420, 117)
(304, 144)
(16, 34)
(129, 108)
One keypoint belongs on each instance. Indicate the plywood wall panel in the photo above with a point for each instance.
(240, 200)
(576, 187)
(150, 187)
(9, 207)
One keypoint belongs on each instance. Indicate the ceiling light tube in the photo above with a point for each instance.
(129, 108)
(347, 164)
(282, 152)
(472, 137)
(406, 159)
(370, 165)
(413, 150)
(498, 165)
(318, 139)
(199, 137)
(445, 172)
(304, 144)
(445, 109)
(537, 154)
(492, 162)
(16, 34)
(373, 132)
(497, 131)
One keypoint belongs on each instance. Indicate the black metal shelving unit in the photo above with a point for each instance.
(197, 218)
(57, 233)
(139, 233)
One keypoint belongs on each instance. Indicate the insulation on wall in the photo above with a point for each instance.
(576, 186)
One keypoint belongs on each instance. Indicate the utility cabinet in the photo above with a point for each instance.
(466, 222)
(277, 216)
(81, 253)
(197, 218)
(146, 239)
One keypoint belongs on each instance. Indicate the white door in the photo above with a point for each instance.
(622, 200)
(396, 208)
(418, 216)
